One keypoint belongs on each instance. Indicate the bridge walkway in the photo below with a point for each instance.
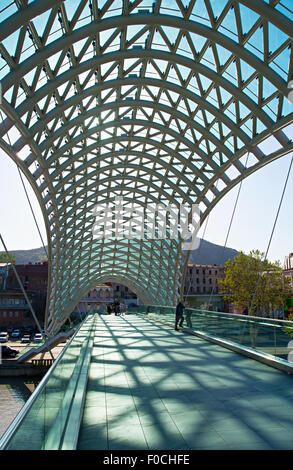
(150, 387)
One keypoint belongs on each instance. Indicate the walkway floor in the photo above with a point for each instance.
(151, 387)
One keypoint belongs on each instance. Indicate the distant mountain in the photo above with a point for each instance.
(206, 253)
(210, 253)
(35, 255)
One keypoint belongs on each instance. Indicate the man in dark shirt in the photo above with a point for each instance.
(117, 309)
(179, 314)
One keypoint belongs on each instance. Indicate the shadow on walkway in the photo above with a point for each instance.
(153, 388)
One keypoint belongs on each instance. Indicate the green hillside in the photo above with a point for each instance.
(206, 253)
(29, 256)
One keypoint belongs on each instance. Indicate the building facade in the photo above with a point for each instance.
(14, 311)
(123, 293)
(95, 299)
(202, 279)
(34, 277)
(288, 267)
(201, 286)
(103, 294)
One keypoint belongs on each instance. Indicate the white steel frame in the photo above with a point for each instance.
(152, 102)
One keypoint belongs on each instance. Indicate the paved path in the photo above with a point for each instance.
(153, 388)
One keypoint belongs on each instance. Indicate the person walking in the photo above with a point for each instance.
(117, 309)
(179, 314)
(109, 309)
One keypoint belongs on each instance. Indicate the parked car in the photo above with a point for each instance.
(15, 334)
(38, 338)
(9, 352)
(28, 330)
(26, 339)
(4, 337)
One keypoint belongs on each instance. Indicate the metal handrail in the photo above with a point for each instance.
(70, 427)
(250, 317)
(71, 434)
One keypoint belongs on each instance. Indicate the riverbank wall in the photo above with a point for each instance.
(10, 368)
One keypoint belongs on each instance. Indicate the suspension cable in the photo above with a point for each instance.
(26, 193)
(271, 236)
(190, 282)
(203, 235)
(8, 254)
(33, 213)
(230, 225)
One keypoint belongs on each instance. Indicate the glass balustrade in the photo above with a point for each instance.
(266, 335)
(49, 406)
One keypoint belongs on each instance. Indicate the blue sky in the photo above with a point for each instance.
(251, 228)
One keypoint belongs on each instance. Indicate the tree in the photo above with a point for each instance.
(252, 282)
(4, 258)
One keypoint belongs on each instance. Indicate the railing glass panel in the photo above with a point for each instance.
(48, 406)
(266, 335)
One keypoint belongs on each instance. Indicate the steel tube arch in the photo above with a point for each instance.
(192, 118)
(114, 57)
(151, 20)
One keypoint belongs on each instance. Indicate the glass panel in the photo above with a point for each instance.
(50, 404)
(267, 336)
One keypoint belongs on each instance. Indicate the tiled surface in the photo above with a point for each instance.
(151, 387)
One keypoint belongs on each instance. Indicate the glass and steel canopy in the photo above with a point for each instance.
(171, 101)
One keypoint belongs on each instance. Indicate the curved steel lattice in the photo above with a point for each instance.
(145, 101)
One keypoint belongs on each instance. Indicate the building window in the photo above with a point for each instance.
(16, 314)
(4, 314)
(10, 314)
